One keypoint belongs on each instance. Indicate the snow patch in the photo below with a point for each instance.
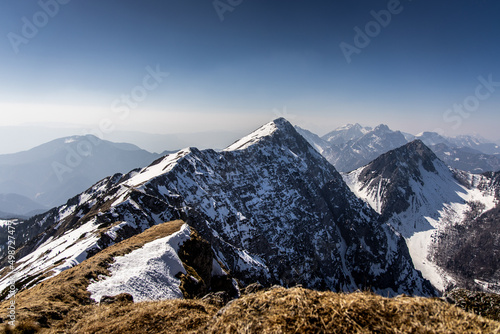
(253, 138)
(67, 250)
(164, 166)
(147, 273)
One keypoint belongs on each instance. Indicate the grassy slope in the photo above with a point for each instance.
(52, 299)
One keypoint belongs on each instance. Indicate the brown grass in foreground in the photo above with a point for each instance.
(279, 310)
(51, 300)
(299, 310)
(169, 316)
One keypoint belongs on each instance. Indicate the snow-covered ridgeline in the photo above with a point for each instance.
(254, 137)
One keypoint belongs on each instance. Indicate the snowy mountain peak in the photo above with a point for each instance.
(420, 197)
(264, 131)
(349, 126)
(346, 133)
(382, 128)
(387, 182)
(418, 147)
(403, 162)
(432, 138)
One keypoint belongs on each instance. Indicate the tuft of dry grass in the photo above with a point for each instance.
(299, 310)
(53, 299)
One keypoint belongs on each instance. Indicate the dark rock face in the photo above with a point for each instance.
(394, 170)
(197, 257)
(273, 210)
(470, 250)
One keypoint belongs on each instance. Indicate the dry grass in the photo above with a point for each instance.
(51, 300)
(299, 310)
(169, 316)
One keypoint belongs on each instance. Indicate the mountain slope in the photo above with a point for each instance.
(419, 196)
(313, 139)
(273, 209)
(53, 172)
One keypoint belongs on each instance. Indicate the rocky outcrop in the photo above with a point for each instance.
(198, 259)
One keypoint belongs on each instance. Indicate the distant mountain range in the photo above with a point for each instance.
(352, 146)
(47, 175)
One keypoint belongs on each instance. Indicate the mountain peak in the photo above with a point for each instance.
(346, 133)
(418, 146)
(411, 154)
(279, 124)
(382, 127)
(388, 179)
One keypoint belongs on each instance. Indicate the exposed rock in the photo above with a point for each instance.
(197, 258)
(121, 298)
(218, 299)
(252, 288)
(225, 283)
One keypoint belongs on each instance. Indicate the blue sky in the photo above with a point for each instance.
(264, 59)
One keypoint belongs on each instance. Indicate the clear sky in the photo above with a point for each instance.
(235, 64)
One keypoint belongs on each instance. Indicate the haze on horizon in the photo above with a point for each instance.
(224, 68)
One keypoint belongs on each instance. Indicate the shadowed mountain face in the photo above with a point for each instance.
(273, 209)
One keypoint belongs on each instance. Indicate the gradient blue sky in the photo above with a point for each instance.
(265, 59)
